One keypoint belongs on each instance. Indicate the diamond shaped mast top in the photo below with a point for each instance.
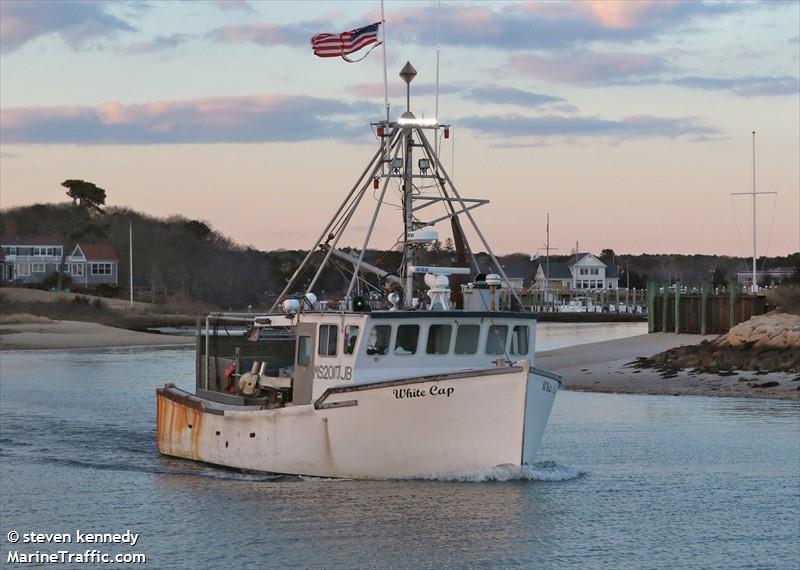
(407, 74)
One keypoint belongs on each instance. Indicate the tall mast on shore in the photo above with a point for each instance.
(754, 286)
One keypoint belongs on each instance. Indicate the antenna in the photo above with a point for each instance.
(385, 75)
(754, 286)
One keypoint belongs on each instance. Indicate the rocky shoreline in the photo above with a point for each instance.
(616, 366)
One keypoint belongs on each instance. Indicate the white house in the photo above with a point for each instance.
(580, 271)
(777, 275)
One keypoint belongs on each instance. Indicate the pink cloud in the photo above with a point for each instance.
(610, 14)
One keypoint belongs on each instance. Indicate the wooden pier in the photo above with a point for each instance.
(703, 310)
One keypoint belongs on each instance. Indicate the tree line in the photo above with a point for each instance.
(178, 256)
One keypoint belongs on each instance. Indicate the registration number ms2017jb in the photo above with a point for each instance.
(333, 372)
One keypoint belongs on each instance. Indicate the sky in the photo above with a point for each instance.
(628, 122)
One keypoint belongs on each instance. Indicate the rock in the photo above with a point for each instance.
(778, 341)
(773, 330)
(766, 385)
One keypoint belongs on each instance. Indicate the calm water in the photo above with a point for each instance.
(630, 482)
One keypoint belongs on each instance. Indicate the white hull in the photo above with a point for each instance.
(422, 426)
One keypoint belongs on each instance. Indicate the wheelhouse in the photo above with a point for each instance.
(306, 353)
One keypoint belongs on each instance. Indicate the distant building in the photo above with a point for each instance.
(28, 260)
(93, 264)
(516, 277)
(580, 271)
(745, 278)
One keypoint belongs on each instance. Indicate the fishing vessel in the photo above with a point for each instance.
(417, 371)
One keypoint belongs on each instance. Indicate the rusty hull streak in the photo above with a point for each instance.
(328, 447)
(174, 419)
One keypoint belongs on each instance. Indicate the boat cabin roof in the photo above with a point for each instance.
(286, 320)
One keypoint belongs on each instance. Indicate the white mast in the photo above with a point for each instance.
(754, 286)
(755, 281)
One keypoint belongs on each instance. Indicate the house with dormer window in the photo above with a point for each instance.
(92, 264)
(579, 271)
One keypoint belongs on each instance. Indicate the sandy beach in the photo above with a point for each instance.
(76, 334)
(605, 367)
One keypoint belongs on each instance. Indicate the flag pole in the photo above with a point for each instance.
(130, 257)
(385, 76)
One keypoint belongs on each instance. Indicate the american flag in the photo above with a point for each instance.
(340, 45)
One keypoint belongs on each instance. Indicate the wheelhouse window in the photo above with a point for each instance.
(439, 339)
(406, 341)
(304, 350)
(519, 340)
(496, 340)
(327, 340)
(467, 339)
(378, 340)
(350, 338)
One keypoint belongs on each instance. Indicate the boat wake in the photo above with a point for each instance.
(544, 471)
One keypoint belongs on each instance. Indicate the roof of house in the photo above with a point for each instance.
(516, 272)
(558, 270)
(575, 258)
(36, 240)
(98, 251)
